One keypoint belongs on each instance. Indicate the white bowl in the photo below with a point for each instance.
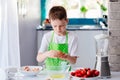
(90, 78)
(30, 70)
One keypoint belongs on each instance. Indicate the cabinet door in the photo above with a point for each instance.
(39, 38)
(86, 48)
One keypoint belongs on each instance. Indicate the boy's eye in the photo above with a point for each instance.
(54, 26)
(58, 26)
(62, 25)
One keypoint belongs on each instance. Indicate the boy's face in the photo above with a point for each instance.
(59, 26)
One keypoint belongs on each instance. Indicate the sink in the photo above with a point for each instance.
(90, 27)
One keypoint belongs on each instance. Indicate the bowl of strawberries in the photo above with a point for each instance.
(85, 74)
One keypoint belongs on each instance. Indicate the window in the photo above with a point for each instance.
(77, 9)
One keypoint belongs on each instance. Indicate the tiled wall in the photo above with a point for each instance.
(114, 29)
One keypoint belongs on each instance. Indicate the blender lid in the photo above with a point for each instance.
(101, 36)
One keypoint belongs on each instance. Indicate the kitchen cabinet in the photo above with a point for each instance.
(86, 46)
(39, 38)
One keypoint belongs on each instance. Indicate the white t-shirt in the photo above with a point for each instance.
(72, 42)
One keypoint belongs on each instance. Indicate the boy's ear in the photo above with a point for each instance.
(49, 20)
(67, 20)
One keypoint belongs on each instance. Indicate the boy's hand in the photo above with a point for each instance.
(55, 54)
(62, 56)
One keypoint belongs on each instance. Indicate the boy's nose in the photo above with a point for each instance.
(58, 28)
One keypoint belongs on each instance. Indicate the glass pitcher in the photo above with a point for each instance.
(101, 45)
(102, 63)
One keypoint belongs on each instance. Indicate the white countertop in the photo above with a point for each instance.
(114, 76)
(44, 76)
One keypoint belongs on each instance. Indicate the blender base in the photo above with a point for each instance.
(102, 65)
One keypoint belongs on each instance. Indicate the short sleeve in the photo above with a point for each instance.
(44, 44)
(74, 46)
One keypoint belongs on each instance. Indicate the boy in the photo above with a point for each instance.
(58, 45)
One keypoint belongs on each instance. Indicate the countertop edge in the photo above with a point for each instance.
(75, 29)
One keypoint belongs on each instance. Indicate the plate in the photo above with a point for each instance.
(90, 78)
(84, 74)
(30, 70)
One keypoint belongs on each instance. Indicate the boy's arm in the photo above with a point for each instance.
(70, 59)
(41, 57)
(52, 54)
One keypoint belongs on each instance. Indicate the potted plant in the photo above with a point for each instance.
(102, 7)
(84, 10)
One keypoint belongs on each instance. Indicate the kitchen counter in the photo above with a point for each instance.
(75, 27)
(44, 76)
(114, 76)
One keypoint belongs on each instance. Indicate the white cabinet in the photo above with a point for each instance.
(86, 46)
(39, 38)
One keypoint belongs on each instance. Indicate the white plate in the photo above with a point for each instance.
(80, 78)
(30, 70)
(90, 78)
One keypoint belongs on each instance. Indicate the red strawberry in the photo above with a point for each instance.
(72, 73)
(96, 73)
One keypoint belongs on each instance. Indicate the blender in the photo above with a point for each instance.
(102, 63)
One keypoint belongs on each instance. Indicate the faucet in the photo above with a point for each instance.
(103, 25)
(105, 18)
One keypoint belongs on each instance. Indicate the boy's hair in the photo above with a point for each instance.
(57, 12)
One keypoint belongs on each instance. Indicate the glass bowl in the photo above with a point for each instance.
(58, 72)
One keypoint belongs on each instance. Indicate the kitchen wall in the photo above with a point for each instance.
(114, 40)
(27, 32)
